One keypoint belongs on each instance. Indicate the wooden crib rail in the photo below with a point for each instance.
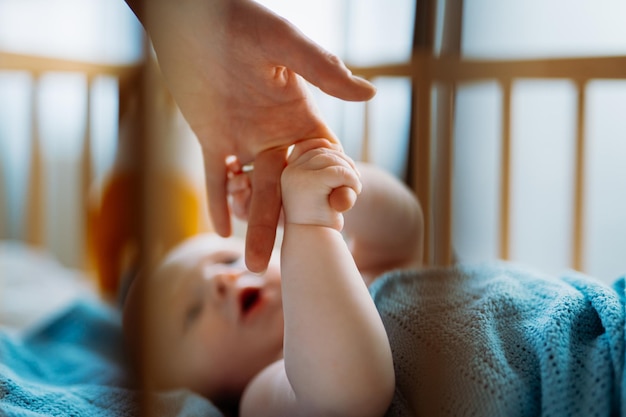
(458, 69)
(426, 70)
(37, 66)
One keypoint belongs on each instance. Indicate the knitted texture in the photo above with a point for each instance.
(501, 340)
(75, 366)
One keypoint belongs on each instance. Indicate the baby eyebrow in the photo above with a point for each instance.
(231, 259)
(227, 257)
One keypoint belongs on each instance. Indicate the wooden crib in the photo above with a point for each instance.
(36, 67)
(440, 74)
(430, 166)
(428, 173)
(113, 216)
(108, 220)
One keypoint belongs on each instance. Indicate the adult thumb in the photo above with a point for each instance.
(320, 67)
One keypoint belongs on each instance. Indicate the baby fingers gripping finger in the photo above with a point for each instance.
(342, 199)
(240, 203)
(340, 175)
(303, 147)
(318, 191)
(345, 188)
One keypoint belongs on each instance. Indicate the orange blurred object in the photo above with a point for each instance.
(115, 222)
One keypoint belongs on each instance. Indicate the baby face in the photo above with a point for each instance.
(218, 324)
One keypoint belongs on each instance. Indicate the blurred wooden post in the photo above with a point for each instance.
(505, 170)
(421, 159)
(443, 178)
(579, 179)
(86, 167)
(35, 199)
(421, 118)
(444, 140)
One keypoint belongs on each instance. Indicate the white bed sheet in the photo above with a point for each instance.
(34, 286)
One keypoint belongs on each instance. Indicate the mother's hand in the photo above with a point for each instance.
(232, 67)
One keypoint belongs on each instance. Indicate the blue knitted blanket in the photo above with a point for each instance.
(75, 366)
(486, 340)
(502, 340)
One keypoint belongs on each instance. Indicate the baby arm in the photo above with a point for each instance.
(337, 359)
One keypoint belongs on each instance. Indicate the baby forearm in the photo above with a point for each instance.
(336, 349)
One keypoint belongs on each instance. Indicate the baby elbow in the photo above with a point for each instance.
(373, 399)
(378, 401)
(377, 389)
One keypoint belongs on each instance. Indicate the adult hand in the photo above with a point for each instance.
(232, 67)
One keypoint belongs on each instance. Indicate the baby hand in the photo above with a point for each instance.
(239, 189)
(318, 184)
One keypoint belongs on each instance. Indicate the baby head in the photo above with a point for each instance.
(208, 323)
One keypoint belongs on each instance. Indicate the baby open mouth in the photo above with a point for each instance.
(248, 298)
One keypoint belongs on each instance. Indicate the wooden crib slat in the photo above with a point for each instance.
(422, 157)
(463, 70)
(579, 180)
(35, 204)
(442, 229)
(86, 166)
(38, 64)
(505, 169)
(451, 33)
(86, 162)
(424, 24)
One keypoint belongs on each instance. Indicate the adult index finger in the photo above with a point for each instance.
(265, 206)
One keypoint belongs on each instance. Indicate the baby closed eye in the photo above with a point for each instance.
(193, 313)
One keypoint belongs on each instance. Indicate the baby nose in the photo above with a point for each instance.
(224, 283)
